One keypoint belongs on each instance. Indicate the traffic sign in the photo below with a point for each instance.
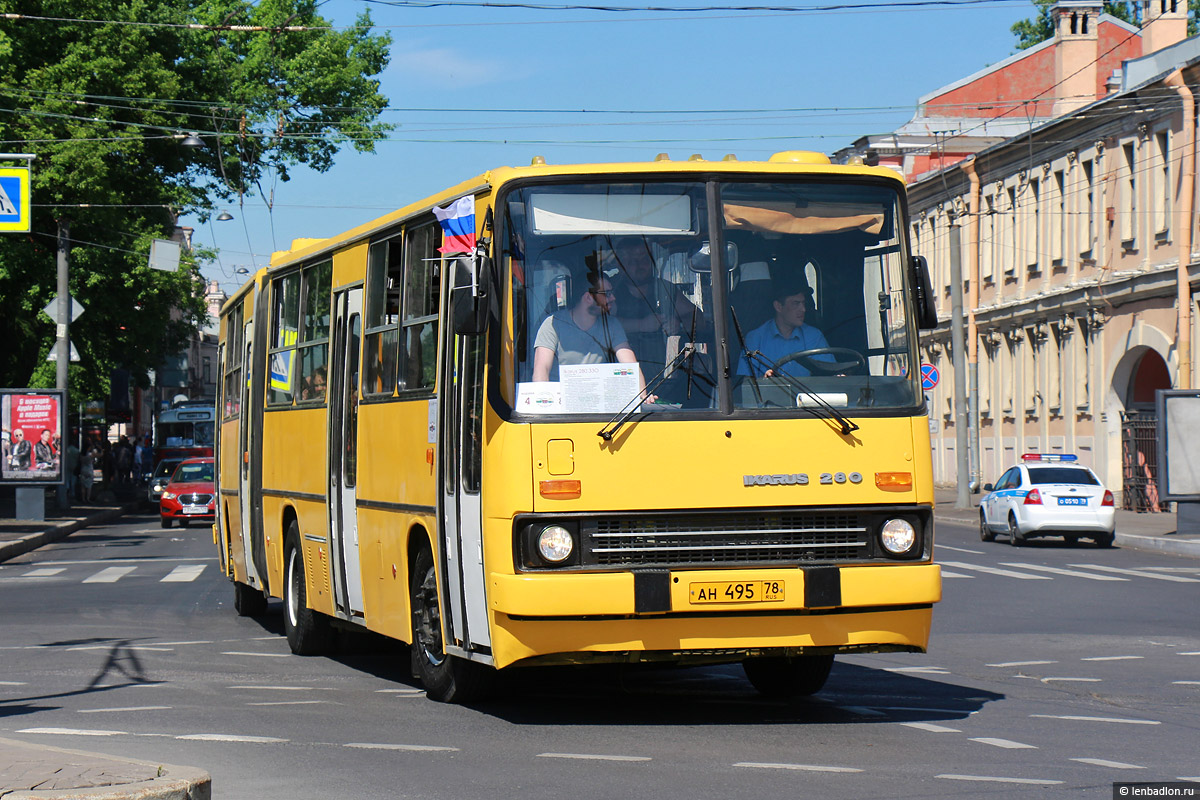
(14, 199)
(929, 376)
(51, 309)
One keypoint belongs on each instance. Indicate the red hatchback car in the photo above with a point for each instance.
(191, 494)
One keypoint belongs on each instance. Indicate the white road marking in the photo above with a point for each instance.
(948, 574)
(109, 575)
(1137, 573)
(1020, 663)
(926, 709)
(960, 549)
(134, 560)
(991, 779)
(802, 767)
(184, 574)
(924, 670)
(199, 641)
(110, 646)
(400, 691)
(1186, 683)
(1112, 658)
(289, 703)
(419, 748)
(1007, 744)
(1100, 762)
(1007, 573)
(12, 683)
(1069, 572)
(44, 572)
(275, 688)
(1078, 680)
(260, 655)
(129, 708)
(72, 732)
(593, 757)
(863, 711)
(929, 726)
(1196, 653)
(230, 737)
(1096, 719)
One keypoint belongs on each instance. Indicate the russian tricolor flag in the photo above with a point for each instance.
(458, 225)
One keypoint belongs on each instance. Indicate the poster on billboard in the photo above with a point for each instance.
(32, 421)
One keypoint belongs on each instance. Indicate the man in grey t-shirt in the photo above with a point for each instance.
(586, 333)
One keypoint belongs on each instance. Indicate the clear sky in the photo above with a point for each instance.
(470, 89)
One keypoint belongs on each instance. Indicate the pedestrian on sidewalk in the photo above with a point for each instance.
(71, 470)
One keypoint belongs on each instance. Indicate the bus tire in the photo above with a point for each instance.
(248, 601)
(308, 632)
(797, 676)
(447, 678)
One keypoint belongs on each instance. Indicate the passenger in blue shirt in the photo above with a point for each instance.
(784, 334)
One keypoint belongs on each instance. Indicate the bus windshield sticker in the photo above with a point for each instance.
(539, 397)
(598, 388)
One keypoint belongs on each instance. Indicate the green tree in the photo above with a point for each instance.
(103, 93)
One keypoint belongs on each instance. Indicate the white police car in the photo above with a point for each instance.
(1048, 495)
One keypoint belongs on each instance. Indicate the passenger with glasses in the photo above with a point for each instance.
(587, 332)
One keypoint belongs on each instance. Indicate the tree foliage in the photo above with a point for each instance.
(103, 94)
(1040, 26)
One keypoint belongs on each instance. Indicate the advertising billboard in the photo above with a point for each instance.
(32, 422)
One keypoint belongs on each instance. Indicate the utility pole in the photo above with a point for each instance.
(63, 345)
(958, 356)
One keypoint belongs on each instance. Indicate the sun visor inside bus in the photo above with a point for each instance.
(810, 219)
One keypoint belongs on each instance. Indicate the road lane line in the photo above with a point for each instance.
(44, 572)
(184, 574)
(230, 737)
(274, 688)
(1137, 573)
(72, 732)
(993, 779)
(418, 748)
(1196, 653)
(1007, 744)
(1007, 573)
(961, 549)
(1112, 658)
(1020, 663)
(862, 711)
(289, 703)
(1186, 683)
(148, 560)
(948, 574)
(412, 692)
(258, 655)
(1100, 762)
(801, 767)
(924, 670)
(198, 641)
(115, 645)
(109, 575)
(129, 708)
(593, 757)
(1081, 718)
(929, 726)
(1077, 680)
(12, 683)
(1074, 573)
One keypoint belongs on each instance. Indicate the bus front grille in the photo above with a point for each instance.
(783, 538)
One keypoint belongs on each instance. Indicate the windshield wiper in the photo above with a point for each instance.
(615, 424)
(830, 413)
(745, 351)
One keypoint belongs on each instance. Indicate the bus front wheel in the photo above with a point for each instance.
(797, 676)
(308, 632)
(447, 678)
(248, 601)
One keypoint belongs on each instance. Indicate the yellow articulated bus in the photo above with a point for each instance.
(641, 412)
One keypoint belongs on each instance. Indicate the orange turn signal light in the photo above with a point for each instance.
(893, 480)
(560, 490)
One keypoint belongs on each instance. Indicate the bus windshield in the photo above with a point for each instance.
(619, 296)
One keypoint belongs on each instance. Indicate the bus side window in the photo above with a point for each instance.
(382, 316)
(418, 325)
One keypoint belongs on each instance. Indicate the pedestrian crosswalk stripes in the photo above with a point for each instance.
(79, 574)
(1027, 571)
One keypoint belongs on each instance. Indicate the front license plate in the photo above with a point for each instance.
(736, 592)
(195, 509)
(1072, 501)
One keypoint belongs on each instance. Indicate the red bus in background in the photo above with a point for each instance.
(185, 430)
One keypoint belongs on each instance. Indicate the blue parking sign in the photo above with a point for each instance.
(14, 199)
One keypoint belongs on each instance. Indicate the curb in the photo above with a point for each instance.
(172, 782)
(35, 540)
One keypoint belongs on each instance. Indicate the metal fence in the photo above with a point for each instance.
(1139, 462)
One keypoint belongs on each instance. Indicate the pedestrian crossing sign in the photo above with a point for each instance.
(14, 199)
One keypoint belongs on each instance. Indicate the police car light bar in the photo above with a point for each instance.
(1049, 457)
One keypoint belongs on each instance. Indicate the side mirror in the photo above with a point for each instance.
(470, 289)
(922, 293)
(987, 487)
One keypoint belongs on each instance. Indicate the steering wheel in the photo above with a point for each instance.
(845, 360)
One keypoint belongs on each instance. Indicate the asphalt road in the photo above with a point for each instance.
(1054, 671)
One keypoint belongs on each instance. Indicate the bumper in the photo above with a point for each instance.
(1102, 521)
(562, 617)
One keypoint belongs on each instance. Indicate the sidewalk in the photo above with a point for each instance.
(1138, 531)
(29, 770)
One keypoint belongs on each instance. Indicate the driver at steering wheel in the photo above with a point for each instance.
(784, 334)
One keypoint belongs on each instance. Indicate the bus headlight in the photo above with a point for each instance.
(898, 536)
(555, 544)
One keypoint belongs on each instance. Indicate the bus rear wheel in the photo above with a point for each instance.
(447, 678)
(308, 632)
(797, 676)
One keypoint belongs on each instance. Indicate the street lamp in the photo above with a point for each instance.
(192, 140)
(224, 216)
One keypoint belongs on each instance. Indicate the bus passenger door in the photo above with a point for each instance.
(343, 449)
(461, 421)
(245, 490)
